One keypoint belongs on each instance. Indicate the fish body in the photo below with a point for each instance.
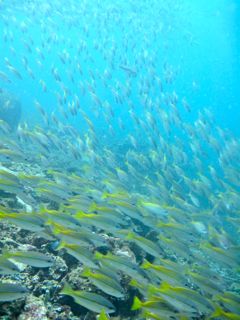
(81, 253)
(90, 301)
(11, 292)
(104, 283)
(31, 258)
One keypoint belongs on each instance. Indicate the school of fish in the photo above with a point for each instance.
(146, 201)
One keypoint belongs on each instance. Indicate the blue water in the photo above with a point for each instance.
(199, 41)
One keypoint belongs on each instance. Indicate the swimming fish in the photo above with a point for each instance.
(11, 291)
(31, 258)
(104, 283)
(90, 301)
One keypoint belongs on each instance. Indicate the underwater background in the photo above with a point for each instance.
(119, 159)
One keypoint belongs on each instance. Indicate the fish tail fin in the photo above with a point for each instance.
(146, 264)
(217, 312)
(79, 215)
(66, 289)
(98, 255)
(2, 215)
(42, 208)
(5, 253)
(139, 203)
(130, 236)
(105, 195)
(86, 272)
(137, 304)
(93, 207)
